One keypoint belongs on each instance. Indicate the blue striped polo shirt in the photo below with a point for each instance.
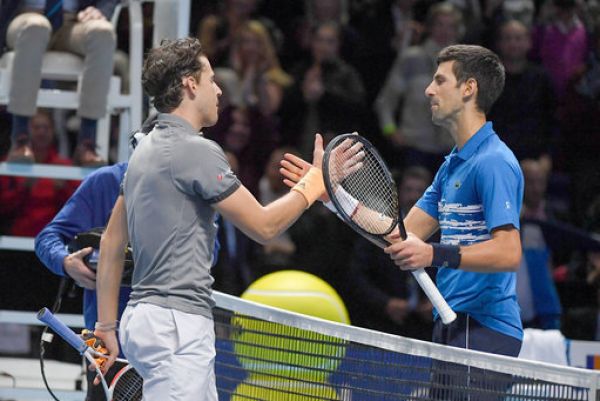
(477, 189)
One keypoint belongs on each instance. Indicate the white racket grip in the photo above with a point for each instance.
(439, 303)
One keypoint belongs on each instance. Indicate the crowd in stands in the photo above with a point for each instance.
(290, 69)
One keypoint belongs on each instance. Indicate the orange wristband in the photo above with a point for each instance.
(311, 186)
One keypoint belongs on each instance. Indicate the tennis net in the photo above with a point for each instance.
(265, 353)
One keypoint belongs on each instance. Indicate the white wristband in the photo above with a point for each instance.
(346, 201)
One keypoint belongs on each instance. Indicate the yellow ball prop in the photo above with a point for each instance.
(277, 350)
(256, 388)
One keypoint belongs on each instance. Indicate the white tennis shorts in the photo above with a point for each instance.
(173, 351)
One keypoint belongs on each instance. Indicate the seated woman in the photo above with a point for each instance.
(254, 77)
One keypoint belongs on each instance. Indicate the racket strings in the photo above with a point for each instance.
(128, 387)
(373, 188)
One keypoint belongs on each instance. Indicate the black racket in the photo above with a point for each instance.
(126, 385)
(365, 196)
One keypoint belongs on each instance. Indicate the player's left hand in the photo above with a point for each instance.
(410, 254)
(109, 339)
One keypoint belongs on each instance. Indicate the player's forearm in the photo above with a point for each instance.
(499, 254)
(111, 261)
(282, 213)
(263, 223)
(108, 278)
(420, 223)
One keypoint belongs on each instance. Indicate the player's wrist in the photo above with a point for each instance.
(445, 255)
(106, 326)
(311, 186)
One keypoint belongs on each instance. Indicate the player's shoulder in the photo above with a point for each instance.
(198, 143)
(496, 154)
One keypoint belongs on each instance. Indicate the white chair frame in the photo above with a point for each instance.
(63, 66)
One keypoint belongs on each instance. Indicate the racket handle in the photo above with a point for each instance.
(62, 330)
(439, 303)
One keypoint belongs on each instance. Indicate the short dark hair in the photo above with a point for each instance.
(481, 64)
(164, 68)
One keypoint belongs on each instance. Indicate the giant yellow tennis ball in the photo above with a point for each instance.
(266, 389)
(264, 347)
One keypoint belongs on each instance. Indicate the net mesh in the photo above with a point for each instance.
(365, 179)
(273, 357)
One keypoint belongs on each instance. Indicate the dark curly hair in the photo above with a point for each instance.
(164, 68)
(478, 63)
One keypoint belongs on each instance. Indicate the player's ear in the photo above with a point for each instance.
(470, 87)
(189, 82)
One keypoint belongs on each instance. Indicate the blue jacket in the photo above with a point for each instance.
(90, 206)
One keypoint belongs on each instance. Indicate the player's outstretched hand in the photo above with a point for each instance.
(293, 168)
(345, 159)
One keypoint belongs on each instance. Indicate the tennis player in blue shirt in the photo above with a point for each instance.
(475, 200)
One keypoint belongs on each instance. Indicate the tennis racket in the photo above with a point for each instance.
(126, 385)
(365, 196)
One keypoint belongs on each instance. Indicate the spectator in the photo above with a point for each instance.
(535, 202)
(536, 291)
(582, 321)
(560, 44)
(387, 28)
(255, 78)
(80, 27)
(580, 143)
(482, 17)
(318, 12)
(389, 299)
(279, 252)
(524, 115)
(217, 32)
(412, 132)
(30, 203)
(328, 94)
(250, 136)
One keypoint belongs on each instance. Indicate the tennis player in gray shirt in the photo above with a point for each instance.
(176, 181)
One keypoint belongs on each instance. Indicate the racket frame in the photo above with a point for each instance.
(67, 334)
(446, 313)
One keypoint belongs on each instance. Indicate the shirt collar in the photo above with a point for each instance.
(173, 119)
(473, 143)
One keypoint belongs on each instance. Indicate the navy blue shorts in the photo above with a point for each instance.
(466, 332)
(458, 382)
